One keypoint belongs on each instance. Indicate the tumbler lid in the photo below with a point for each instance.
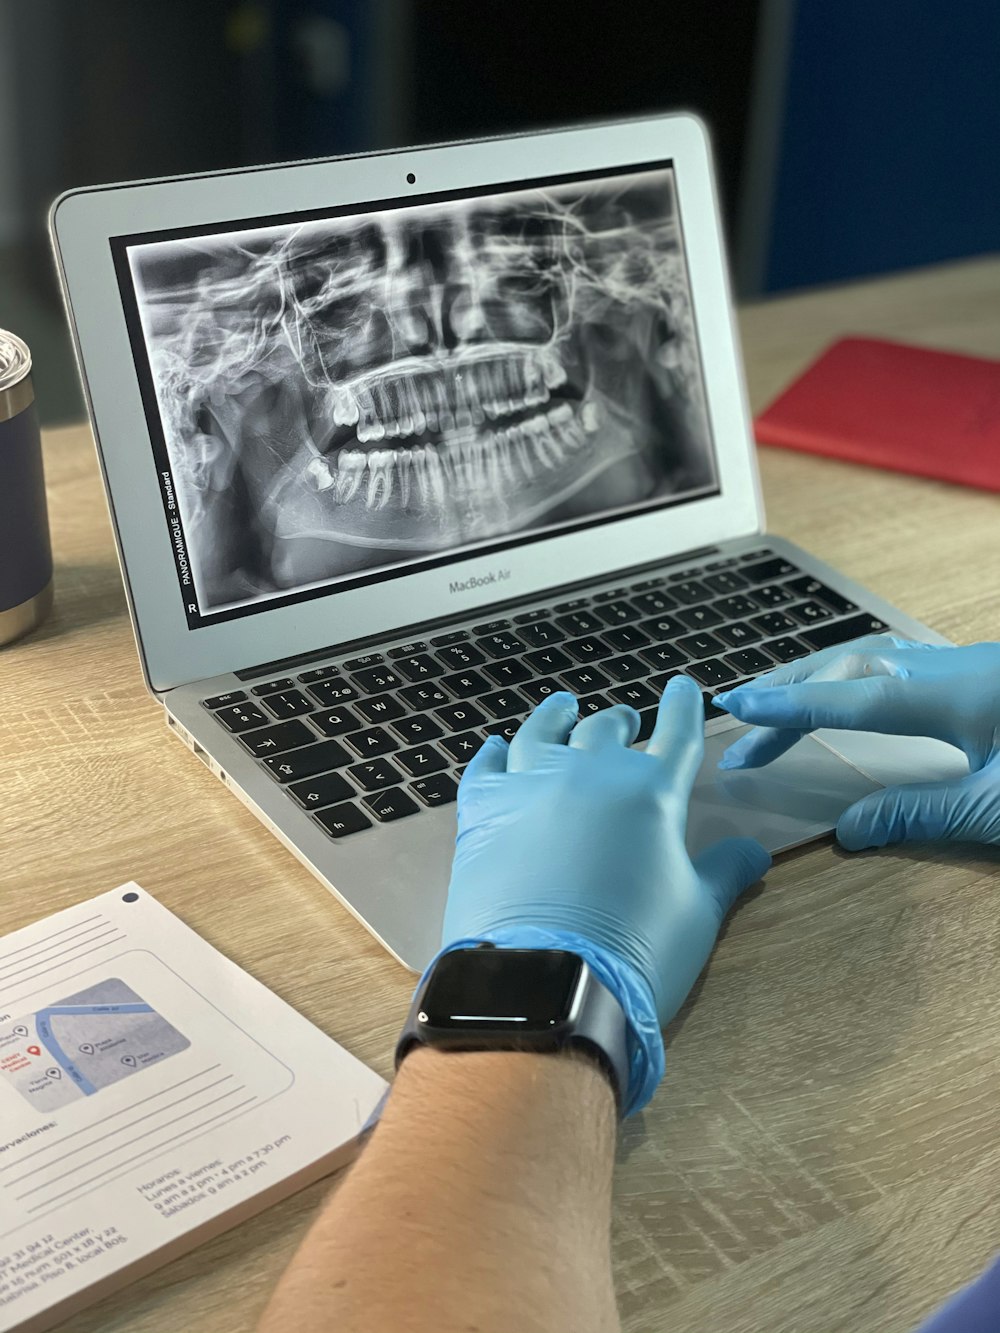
(16, 391)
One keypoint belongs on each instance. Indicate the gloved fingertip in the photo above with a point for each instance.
(721, 700)
(682, 683)
(560, 699)
(854, 835)
(729, 761)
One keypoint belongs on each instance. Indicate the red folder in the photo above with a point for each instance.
(911, 409)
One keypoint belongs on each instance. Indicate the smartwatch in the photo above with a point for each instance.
(488, 998)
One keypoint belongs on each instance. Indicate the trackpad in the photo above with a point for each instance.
(797, 797)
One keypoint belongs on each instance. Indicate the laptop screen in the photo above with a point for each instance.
(338, 398)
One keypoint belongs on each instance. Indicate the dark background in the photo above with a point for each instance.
(851, 138)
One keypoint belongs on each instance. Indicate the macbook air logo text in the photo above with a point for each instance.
(477, 581)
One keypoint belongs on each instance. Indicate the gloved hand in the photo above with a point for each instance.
(569, 830)
(899, 687)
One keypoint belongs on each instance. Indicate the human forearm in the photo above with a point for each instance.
(482, 1201)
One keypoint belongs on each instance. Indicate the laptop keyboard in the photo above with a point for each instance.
(382, 736)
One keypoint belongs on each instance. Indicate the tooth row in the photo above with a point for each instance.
(395, 409)
(505, 456)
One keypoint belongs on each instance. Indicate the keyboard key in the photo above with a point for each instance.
(699, 645)
(375, 774)
(592, 703)
(419, 697)
(504, 703)
(421, 759)
(588, 649)
(462, 747)
(625, 668)
(371, 742)
(655, 603)
(611, 594)
(360, 663)
(736, 607)
(712, 672)
(415, 730)
(274, 686)
(809, 587)
(289, 703)
(407, 649)
(647, 722)
(547, 659)
(618, 613)
(460, 717)
(768, 570)
(739, 635)
(318, 673)
(332, 692)
(463, 684)
(491, 627)
(541, 634)
(529, 617)
(699, 617)
(335, 722)
(841, 631)
(389, 805)
(752, 556)
(725, 581)
(324, 789)
(690, 592)
(537, 690)
(773, 595)
(787, 649)
(224, 700)
(511, 672)
(810, 612)
(749, 660)
(579, 622)
(382, 708)
(438, 789)
(581, 680)
(419, 667)
(307, 762)
(636, 695)
(373, 680)
(500, 645)
(241, 717)
(775, 622)
(508, 730)
(722, 564)
(627, 636)
(276, 740)
(342, 820)
(460, 656)
(577, 604)
(664, 627)
(446, 640)
(647, 583)
(664, 655)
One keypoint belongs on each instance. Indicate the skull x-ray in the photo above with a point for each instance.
(355, 392)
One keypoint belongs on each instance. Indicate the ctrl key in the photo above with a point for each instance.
(340, 820)
(391, 803)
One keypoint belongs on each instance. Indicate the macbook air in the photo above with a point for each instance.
(396, 445)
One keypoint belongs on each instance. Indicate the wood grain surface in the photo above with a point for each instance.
(825, 1149)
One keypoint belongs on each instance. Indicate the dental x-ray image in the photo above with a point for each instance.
(346, 394)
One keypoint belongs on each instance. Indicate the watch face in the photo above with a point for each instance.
(529, 989)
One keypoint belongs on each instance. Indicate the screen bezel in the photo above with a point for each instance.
(83, 223)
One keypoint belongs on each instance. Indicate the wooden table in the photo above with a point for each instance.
(824, 1152)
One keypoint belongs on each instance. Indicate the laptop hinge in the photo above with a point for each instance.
(419, 629)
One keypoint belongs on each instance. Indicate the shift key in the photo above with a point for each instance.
(307, 762)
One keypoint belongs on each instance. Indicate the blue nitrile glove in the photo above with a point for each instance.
(902, 688)
(567, 838)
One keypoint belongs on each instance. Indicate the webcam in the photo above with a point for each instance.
(410, 178)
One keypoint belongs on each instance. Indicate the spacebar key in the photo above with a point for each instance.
(825, 636)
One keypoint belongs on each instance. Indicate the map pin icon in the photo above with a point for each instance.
(20, 1030)
(53, 1073)
(86, 1048)
(129, 1060)
(34, 1050)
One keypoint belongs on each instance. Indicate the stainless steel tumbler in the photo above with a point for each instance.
(25, 553)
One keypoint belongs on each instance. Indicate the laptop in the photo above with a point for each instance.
(397, 444)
